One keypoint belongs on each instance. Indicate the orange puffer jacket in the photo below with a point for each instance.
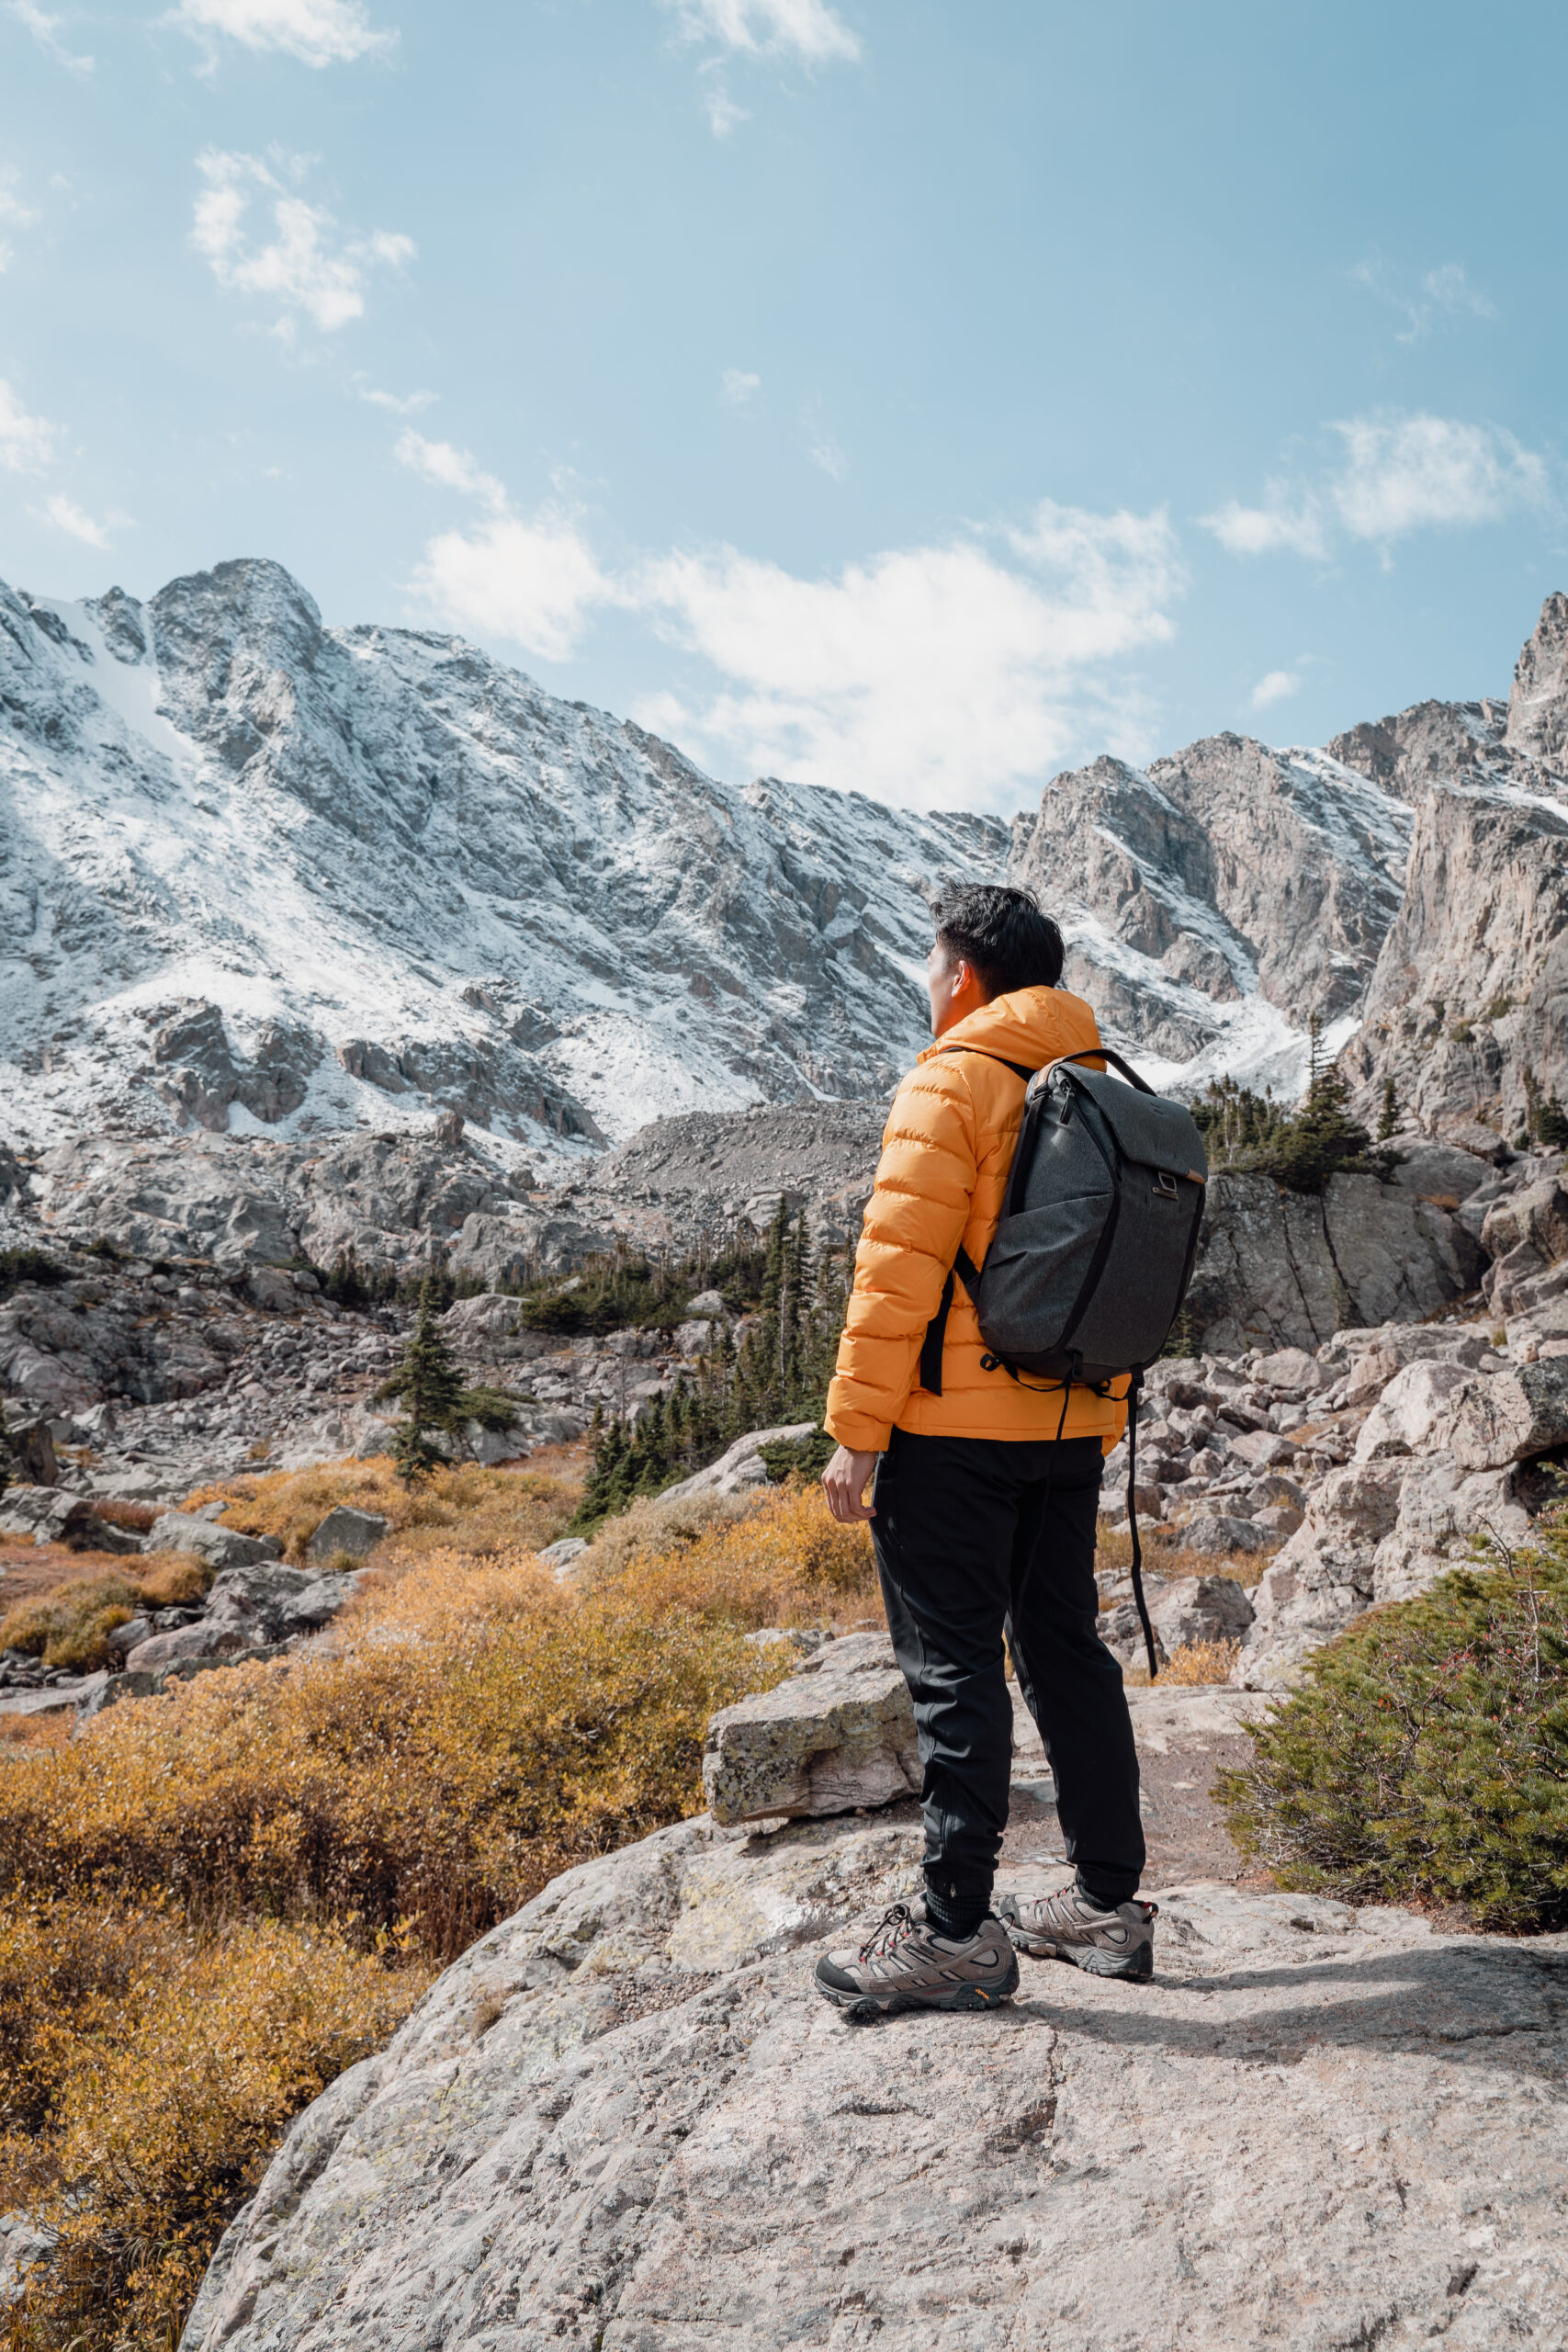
(946, 1151)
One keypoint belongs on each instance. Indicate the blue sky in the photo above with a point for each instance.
(920, 397)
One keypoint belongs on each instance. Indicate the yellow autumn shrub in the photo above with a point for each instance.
(484, 1509)
(147, 2071)
(70, 1626)
(212, 1901)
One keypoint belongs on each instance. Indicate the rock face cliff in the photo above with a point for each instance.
(1408, 884)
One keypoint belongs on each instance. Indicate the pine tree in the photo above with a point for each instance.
(1545, 1119)
(431, 1387)
(1388, 1124)
(1314, 1053)
(777, 1252)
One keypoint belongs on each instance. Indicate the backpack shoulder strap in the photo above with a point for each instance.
(963, 1266)
(932, 1346)
(1019, 1070)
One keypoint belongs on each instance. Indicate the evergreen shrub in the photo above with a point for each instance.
(779, 1375)
(1427, 1753)
(29, 1265)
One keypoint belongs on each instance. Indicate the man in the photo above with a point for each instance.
(984, 1507)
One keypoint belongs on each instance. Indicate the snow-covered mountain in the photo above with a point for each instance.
(271, 878)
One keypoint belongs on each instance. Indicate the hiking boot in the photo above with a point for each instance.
(1069, 1924)
(907, 1966)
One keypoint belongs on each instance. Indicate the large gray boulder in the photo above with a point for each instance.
(1281, 1270)
(39, 1514)
(220, 1547)
(250, 1607)
(741, 1464)
(1485, 1420)
(268, 1601)
(1322, 1577)
(347, 1530)
(839, 1735)
(625, 2119)
(1443, 1511)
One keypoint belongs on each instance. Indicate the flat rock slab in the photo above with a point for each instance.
(625, 2119)
(56, 1698)
(840, 1733)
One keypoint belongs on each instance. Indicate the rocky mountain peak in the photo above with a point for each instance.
(263, 875)
(1538, 706)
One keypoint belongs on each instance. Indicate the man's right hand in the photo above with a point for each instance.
(844, 1483)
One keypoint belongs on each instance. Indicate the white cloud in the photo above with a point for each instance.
(1400, 474)
(66, 515)
(1410, 473)
(806, 29)
(737, 388)
(1259, 530)
(933, 678)
(45, 30)
(534, 581)
(307, 265)
(824, 451)
(13, 213)
(952, 675)
(1278, 685)
(1446, 288)
(318, 32)
(723, 113)
(27, 443)
(11, 209)
(438, 461)
(1452, 290)
(806, 32)
(396, 403)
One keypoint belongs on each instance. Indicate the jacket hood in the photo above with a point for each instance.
(1032, 1025)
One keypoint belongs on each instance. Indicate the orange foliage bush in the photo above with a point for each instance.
(146, 2072)
(487, 1511)
(212, 1901)
(70, 1626)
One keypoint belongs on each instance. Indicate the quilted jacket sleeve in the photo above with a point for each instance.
(914, 1223)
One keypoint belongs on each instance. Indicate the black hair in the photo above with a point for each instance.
(1000, 934)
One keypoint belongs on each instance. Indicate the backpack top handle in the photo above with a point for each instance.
(1107, 1054)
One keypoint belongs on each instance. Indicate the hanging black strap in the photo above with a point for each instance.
(1075, 1372)
(932, 1346)
(1134, 1383)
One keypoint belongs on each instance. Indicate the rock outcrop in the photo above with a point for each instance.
(839, 1735)
(625, 2119)
(1277, 1269)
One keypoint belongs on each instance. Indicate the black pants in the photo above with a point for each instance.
(968, 1548)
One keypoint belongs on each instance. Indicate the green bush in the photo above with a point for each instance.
(1427, 1753)
(28, 1265)
(1300, 1149)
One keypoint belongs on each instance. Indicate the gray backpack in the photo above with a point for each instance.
(1093, 1250)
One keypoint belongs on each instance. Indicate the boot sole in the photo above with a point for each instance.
(1137, 1967)
(861, 2008)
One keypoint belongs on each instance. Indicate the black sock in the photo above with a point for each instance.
(1101, 1901)
(954, 1912)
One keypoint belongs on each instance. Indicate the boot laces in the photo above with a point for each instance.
(897, 1924)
